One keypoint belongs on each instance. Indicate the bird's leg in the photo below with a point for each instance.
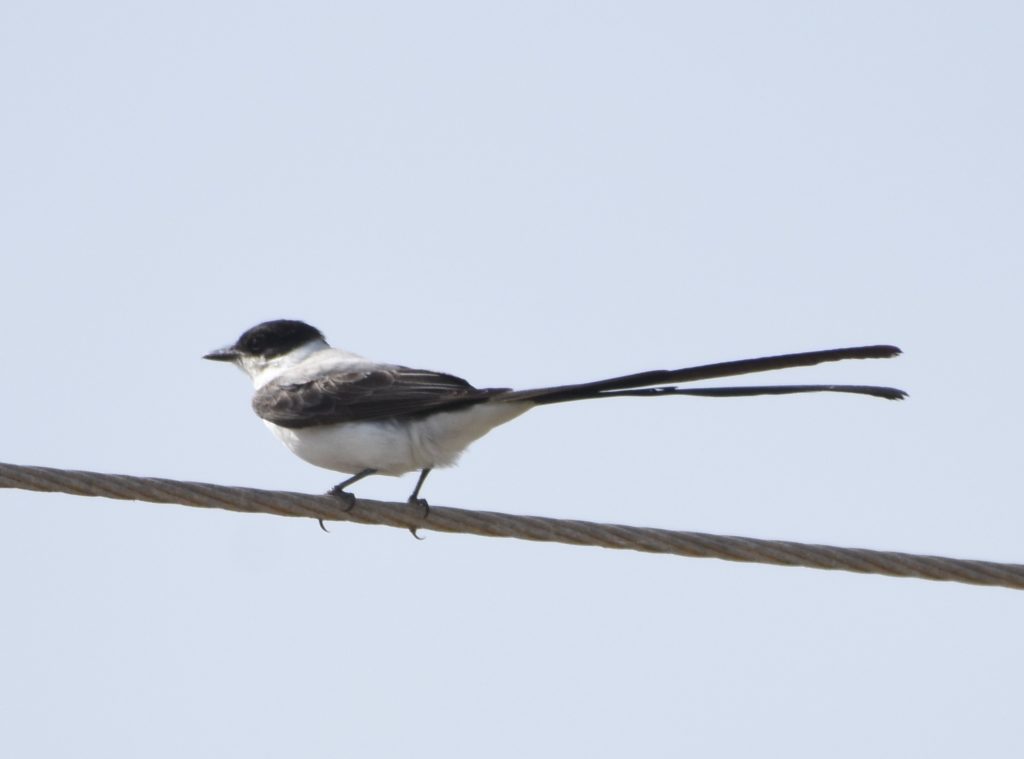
(338, 491)
(415, 497)
(416, 500)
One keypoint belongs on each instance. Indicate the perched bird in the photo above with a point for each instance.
(350, 414)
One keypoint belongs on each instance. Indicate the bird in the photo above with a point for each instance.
(346, 413)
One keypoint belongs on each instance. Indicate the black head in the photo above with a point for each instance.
(269, 340)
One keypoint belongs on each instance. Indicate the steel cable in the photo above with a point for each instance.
(492, 524)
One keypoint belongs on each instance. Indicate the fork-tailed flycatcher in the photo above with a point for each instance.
(346, 413)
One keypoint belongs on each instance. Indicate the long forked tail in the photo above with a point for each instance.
(660, 381)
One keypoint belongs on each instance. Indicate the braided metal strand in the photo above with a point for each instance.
(492, 524)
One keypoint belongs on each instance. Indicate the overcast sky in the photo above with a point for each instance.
(522, 194)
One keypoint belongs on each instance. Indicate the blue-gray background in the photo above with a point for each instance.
(520, 193)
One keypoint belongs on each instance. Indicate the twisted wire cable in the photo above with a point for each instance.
(493, 524)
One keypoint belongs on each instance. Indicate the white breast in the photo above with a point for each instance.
(396, 447)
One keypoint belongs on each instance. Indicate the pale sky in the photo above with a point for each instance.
(522, 194)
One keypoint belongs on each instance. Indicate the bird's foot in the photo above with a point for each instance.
(422, 503)
(338, 491)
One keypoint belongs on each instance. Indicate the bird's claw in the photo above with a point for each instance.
(348, 498)
(422, 503)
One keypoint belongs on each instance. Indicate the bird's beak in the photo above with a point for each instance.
(224, 354)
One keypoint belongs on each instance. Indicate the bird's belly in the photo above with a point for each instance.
(395, 447)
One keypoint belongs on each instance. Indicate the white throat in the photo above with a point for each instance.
(263, 370)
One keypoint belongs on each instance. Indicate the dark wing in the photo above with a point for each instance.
(364, 394)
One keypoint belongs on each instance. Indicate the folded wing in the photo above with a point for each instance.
(363, 395)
